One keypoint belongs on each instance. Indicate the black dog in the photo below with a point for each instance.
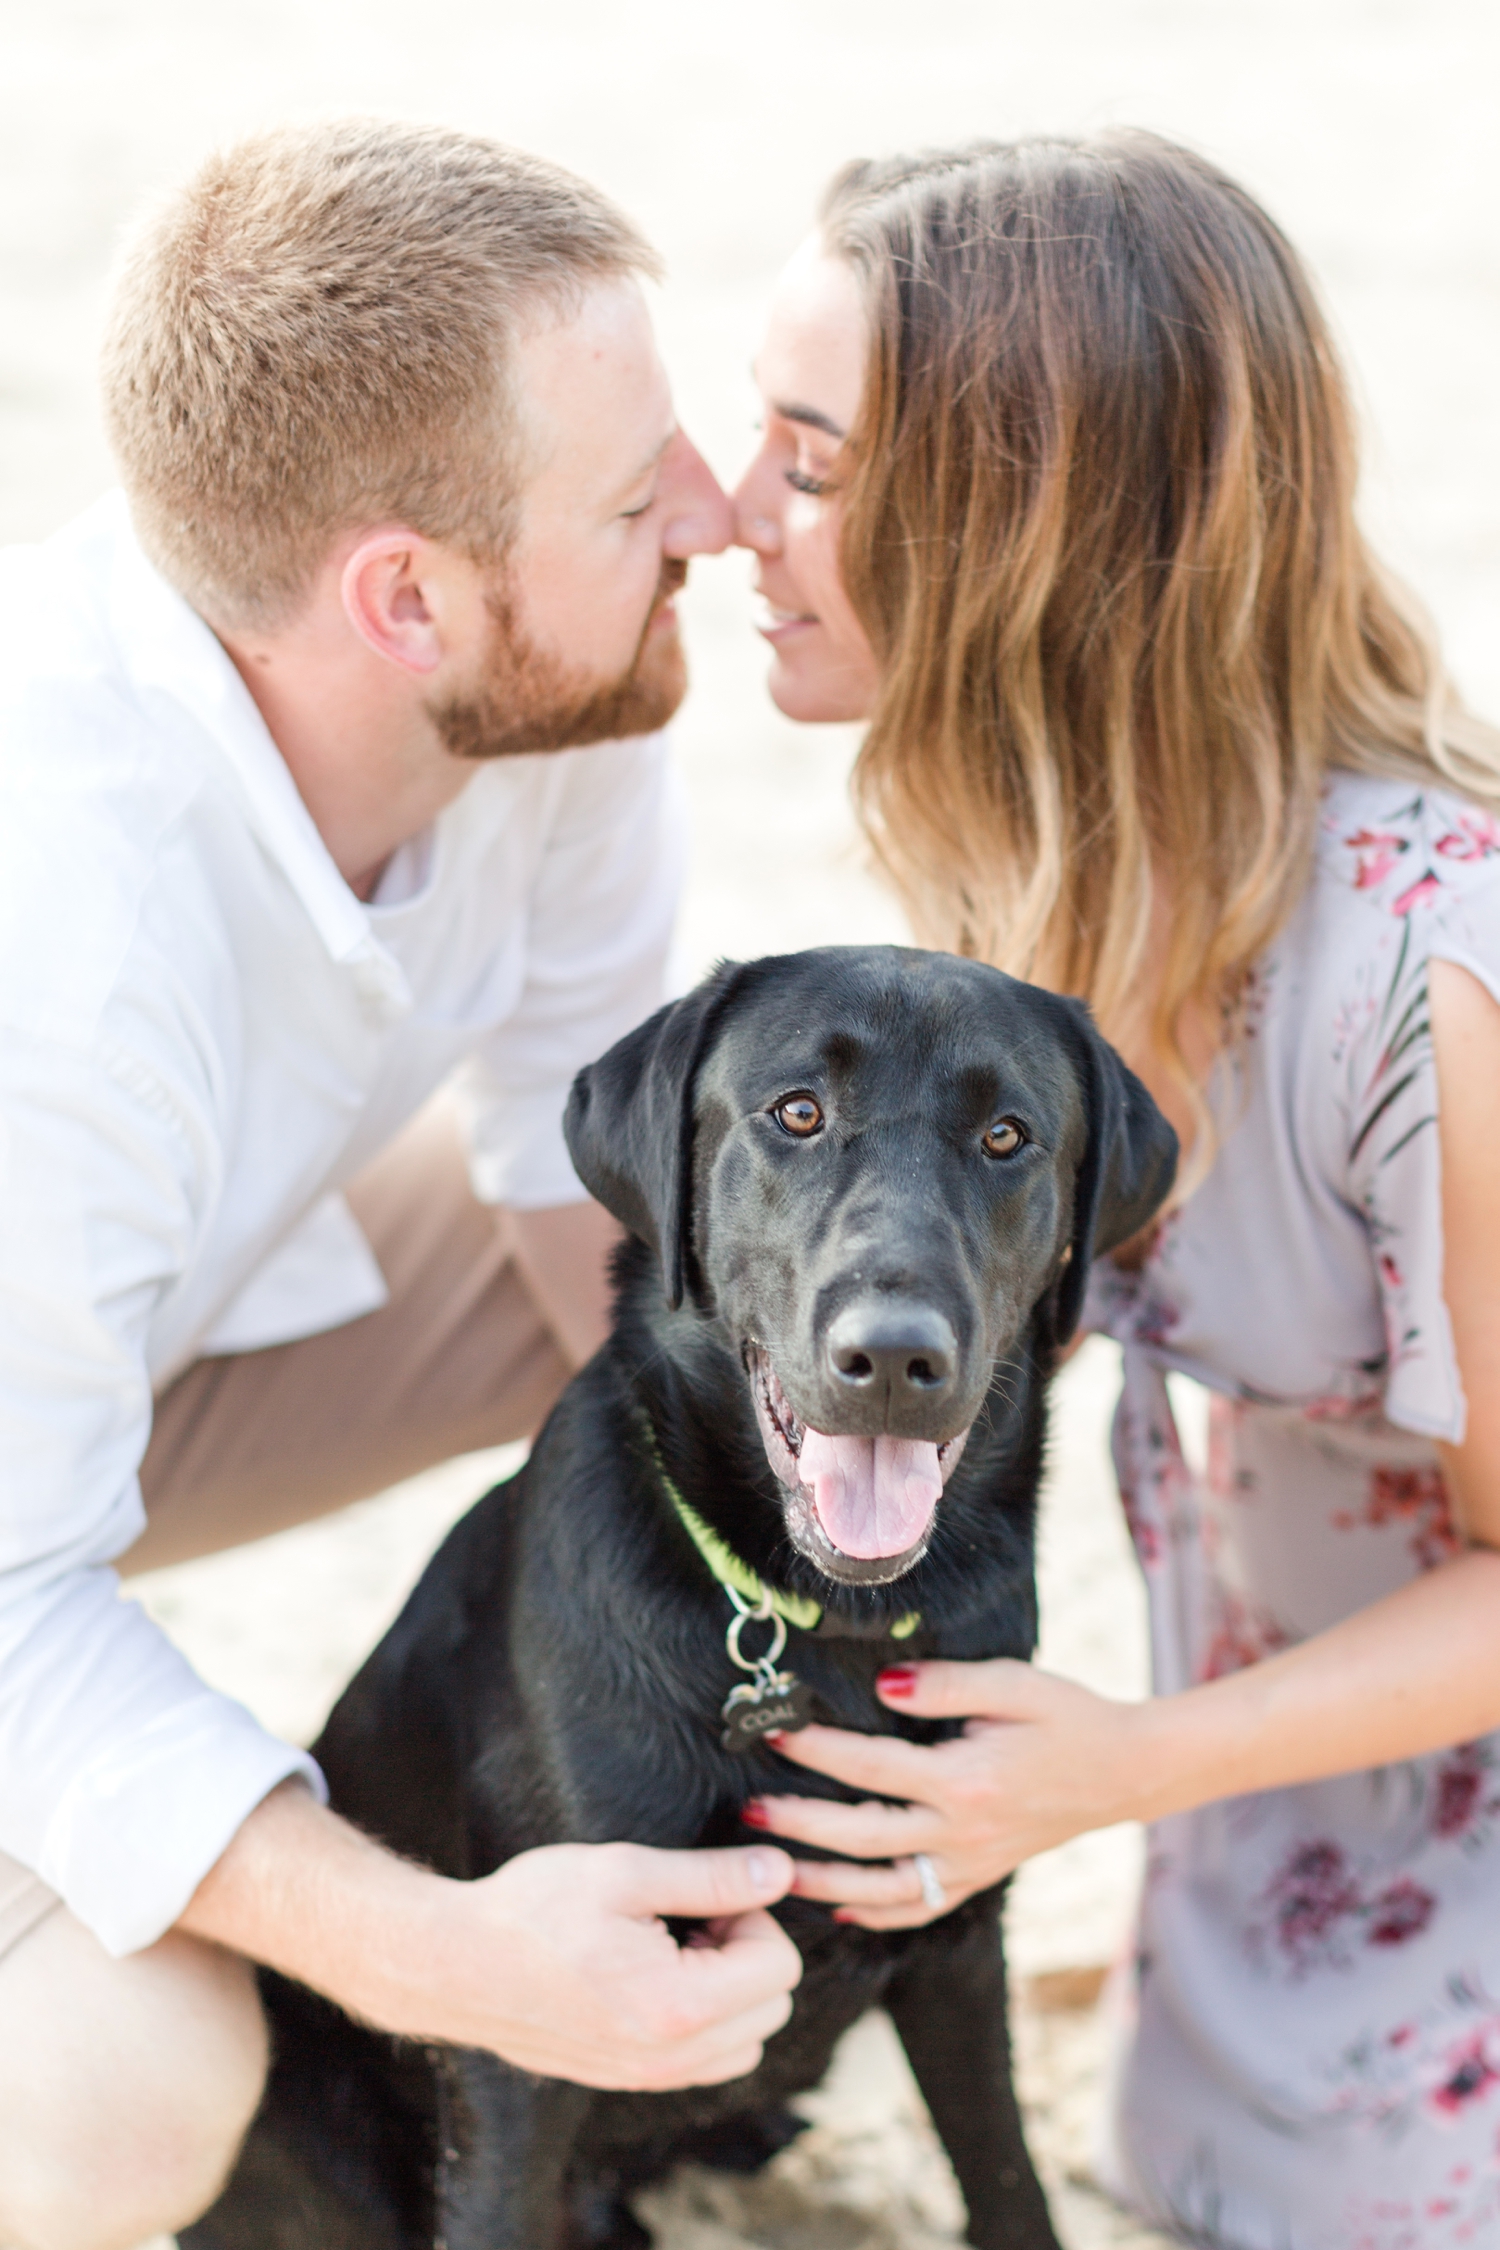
(871, 1181)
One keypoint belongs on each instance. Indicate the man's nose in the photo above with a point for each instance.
(700, 515)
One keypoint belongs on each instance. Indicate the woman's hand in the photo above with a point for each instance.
(1039, 1760)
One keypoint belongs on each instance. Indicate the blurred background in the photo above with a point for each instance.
(1370, 128)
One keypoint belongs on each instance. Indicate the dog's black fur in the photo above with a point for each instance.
(557, 1674)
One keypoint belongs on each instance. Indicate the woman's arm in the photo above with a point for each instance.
(1042, 1760)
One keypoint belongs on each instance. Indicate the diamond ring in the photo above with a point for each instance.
(933, 1893)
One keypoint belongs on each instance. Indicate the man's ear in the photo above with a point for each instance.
(384, 585)
(1129, 1163)
(629, 1122)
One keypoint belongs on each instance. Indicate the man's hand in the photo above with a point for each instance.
(558, 1962)
(596, 1989)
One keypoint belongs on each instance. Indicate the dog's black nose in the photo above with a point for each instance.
(891, 1344)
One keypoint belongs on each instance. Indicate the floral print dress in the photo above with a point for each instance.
(1311, 2053)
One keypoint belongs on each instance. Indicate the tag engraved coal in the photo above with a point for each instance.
(781, 1705)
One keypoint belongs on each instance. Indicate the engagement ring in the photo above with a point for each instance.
(933, 1893)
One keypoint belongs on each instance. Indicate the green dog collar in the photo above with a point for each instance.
(730, 1571)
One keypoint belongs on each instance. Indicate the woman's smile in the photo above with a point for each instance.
(810, 373)
(777, 625)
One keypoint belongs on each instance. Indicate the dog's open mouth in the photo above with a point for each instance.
(860, 1507)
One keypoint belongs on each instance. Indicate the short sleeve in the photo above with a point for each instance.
(1443, 899)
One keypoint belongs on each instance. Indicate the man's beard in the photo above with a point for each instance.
(527, 699)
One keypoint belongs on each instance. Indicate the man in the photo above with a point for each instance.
(294, 824)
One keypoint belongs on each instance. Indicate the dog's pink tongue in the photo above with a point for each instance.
(873, 1496)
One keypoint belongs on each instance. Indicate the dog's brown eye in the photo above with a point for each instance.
(799, 1115)
(1003, 1138)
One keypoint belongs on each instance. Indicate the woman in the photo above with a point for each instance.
(1056, 491)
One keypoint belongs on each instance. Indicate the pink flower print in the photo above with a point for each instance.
(1460, 1808)
(1390, 1272)
(1156, 1317)
(1476, 836)
(1416, 1497)
(1469, 2070)
(1241, 1638)
(1310, 1899)
(1458, 1787)
(1227, 1477)
(1252, 1001)
(1424, 888)
(1377, 851)
(1316, 1905)
(1400, 1913)
(1140, 1523)
(1335, 1406)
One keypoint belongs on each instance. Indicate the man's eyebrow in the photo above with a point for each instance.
(811, 416)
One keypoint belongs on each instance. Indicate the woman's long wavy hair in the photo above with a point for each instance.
(1099, 528)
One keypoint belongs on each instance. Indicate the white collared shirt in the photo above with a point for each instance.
(204, 1035)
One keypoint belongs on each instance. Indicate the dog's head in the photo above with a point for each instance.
(875, 1169)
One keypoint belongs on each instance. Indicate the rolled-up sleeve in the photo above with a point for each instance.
(122, 1777)
(603, 906)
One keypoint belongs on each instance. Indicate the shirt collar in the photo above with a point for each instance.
(166, 648)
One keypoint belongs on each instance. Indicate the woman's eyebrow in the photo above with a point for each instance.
(811, 416)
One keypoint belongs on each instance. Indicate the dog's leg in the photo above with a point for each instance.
(505, 2143)
(949, 2007)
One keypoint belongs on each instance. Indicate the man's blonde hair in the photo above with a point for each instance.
(314, 335)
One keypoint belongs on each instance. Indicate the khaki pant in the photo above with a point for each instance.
(125, 2085)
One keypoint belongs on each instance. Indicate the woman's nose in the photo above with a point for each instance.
(753, 526)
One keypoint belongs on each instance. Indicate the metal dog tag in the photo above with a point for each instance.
(777, 1703)
(774, 1702)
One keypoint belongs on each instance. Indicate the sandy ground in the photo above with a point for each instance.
(1371, 129)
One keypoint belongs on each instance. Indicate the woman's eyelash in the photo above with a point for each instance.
(800, 481)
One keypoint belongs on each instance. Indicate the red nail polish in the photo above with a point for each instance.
(898, 1680)
(755, 1816)
(775, 1740)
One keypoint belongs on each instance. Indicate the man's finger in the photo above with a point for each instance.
(705, 1885)
(688, 2034)
(753, 1948)
(754, 1966)
(998, 1689)
(708, 2063)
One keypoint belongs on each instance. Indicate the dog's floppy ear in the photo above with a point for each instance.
(1128, 1165)
(629, 1122)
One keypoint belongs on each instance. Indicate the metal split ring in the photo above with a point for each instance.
(933, 1894)
(761, 1614)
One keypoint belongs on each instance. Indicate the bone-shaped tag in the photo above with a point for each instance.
(779, 1705)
